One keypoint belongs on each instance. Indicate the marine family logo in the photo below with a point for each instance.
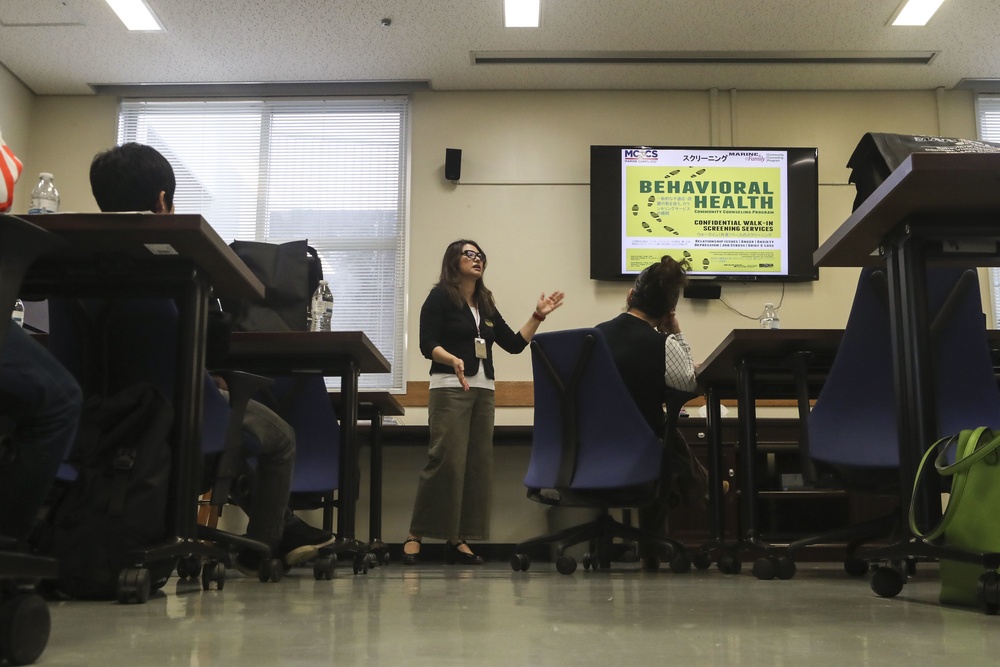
(636, 155)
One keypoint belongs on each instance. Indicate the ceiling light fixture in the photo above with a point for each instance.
(135, 14)
(915, 12)
(522, 13)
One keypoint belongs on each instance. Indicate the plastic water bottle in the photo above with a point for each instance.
(18, 314)
(769, 320)
(45, 197)
(322, 308)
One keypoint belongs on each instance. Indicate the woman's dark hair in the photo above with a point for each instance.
(658, 287)
(131, 177)
(451, 278)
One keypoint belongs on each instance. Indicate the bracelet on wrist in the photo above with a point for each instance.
(537, 316)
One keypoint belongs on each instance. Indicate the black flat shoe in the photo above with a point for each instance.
(453, 554)
(410, 559)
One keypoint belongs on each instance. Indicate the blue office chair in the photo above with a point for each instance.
(24, 615)
(304, 403)
(591, 448)
(852, 439)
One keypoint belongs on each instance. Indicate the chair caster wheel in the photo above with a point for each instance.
(887, 582)
(566, 565)
(520, 562)
(271, 569)
(730, 564)
(323, 568)
(134, 583)
(680, 564)
(213, 572)
(189, 567)
(701, 560)
(786, 568)
(989, 593)
(361, 564)
(24, 628)
(765, 568)
(588, 561)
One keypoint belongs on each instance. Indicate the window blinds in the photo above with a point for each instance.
(988, 112)
(332, 171)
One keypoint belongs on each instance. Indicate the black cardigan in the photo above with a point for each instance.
(452, 327)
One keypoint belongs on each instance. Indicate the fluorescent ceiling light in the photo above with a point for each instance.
(135, 14)
(522, 13)
(916, 12)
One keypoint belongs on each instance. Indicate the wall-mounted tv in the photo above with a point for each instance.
(736, 214)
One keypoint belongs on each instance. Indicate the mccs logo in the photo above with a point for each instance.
(637, 154)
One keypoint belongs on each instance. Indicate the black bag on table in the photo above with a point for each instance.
(879, 153)
(118, 502)
(290, 272)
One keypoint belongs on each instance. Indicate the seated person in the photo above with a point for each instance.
(655, 363)
(41, 401)
(134, 177)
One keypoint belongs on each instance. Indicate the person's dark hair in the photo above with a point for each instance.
(658, 287)
(131, 177)
(451, 277)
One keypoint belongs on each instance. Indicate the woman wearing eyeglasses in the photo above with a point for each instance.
(459, 323)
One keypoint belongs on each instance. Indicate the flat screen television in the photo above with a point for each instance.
(736, 214)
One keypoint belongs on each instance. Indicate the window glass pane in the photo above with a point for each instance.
(330, 171)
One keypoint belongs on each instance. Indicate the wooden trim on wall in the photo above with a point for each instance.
(520, 394)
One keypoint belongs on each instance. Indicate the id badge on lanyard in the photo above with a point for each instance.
(480, 348)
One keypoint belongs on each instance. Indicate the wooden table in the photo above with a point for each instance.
(165, 256)
(751, 364)
(345, 354)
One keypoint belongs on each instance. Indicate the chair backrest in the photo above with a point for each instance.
(588, 432)
(304, 402)
(854, 422)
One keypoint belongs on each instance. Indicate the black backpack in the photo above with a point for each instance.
(118, 502)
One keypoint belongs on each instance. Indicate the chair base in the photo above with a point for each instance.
(600, 534)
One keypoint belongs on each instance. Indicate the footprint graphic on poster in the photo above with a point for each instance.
(653, 215)
(686, 254)
(645, 225)
(698, 173)
(671, 230)
(635, 209)
(704, 262)
(673, 173)
(651, 200)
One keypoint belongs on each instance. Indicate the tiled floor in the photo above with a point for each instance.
(435, 614)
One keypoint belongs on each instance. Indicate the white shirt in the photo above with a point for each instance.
(679, 364)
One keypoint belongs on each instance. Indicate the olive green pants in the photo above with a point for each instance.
(456, 485)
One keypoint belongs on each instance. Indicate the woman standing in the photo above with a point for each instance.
(459, 323)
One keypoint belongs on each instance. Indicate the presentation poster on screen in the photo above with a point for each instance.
(724, 211)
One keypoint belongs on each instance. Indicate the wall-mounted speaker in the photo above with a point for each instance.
(700, 290)
(453, 163)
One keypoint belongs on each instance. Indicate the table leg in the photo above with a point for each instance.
(375, 543)
(347, 494)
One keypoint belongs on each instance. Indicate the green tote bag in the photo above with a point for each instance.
(970, 521)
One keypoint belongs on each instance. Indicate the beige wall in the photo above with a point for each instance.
(524, 196)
